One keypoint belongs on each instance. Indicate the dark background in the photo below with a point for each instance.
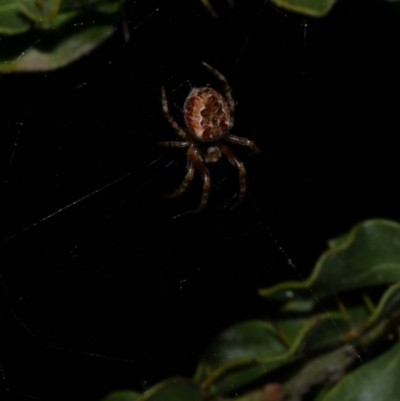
(92, 290)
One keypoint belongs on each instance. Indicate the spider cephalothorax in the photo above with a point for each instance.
(209, 117)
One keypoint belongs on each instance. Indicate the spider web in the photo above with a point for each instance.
(103, 282)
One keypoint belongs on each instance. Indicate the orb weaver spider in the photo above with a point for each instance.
(209, 118)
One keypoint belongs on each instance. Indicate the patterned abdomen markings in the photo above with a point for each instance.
(206, 114)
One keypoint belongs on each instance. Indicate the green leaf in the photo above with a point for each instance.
(388, 304)
(369, 255)
(11, 21)
(122, 395)
(68, 5)
(256, 395)
(175, 389)
(375, 380)
(250, 350)
(252, 339)
(357, 314)
(54, 50)
(313, 8)
(239, 355)
(270, 392)
(307, 335)
(299, 306)
(39, 10)
(108, 8)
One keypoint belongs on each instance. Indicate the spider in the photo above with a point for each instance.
(209, 118)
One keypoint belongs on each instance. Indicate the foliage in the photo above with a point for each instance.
(307, 348)
(312, 8)
(41, 35)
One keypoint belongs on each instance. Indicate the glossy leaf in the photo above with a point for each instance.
(11, 20)
(368, 255)
(375, 380)
(313, 8)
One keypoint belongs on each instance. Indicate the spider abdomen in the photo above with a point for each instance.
(206, 114)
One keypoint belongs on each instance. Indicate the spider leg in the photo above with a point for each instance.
(169, 117)
(184, 184)
(176, 144)
(225, 85)
(205, 175)
(242, 172)
(242, 141)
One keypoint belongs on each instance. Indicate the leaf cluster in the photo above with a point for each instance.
(316, 345)
(41, 35)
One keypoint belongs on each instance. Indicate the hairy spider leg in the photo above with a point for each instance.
(169, 117)
(242, 141)
(175, 144)
(184, 184)
(205, 175)
(242, 172)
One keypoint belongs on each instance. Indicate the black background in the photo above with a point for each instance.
(105, 284)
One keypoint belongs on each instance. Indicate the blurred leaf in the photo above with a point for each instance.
(307, 335)
(357, 314)
(11, 20)
(176, 389)
(253, 339)
(299, 306)
(122, 395)
(60, 21)
(253, 396)
(108, 8)
(39, 10)
(54, 50)
(61, 31)
(375, 380)
(388, 304)
(250, 350)
(320, 369)
(317, 332)
(369, 255)
(313, 8)
(236, 357)
(68, 5)
(304, 350)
